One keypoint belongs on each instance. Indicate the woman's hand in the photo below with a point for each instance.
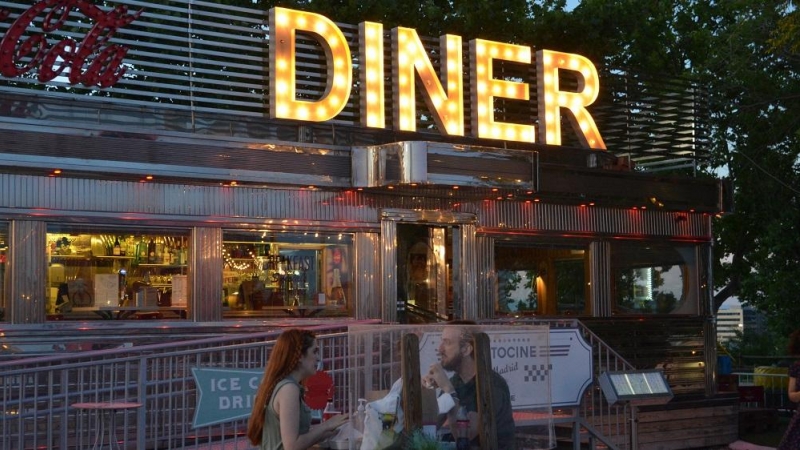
(332, 425)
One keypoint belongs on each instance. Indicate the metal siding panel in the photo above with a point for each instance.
(368, 285)
(600, 278)
(71, 198)
(469, 275)
(486, 277)
(206, 274)
(27, 264)
(389, 269)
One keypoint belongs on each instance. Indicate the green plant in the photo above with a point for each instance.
(418, 440)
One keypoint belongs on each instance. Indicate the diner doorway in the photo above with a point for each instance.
(424, 273)
(425, 265)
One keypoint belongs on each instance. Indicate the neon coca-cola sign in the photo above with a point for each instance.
(93, 61)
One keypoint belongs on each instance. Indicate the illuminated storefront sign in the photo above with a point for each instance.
(91, 62)
(94, 61)
(445, 102)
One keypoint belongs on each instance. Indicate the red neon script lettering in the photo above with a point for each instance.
(91, 62)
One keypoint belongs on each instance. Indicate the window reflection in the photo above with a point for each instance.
(652, 279)
(545, 278)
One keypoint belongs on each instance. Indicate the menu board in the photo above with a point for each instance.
(639, 387)
(106, 289)
(179, 286)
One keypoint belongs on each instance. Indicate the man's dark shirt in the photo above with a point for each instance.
(501, 399)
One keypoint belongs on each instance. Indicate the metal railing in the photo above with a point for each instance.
(37, 394)
(774, 387)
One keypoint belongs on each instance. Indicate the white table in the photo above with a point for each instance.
(106, 420)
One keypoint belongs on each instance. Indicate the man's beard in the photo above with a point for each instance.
(453, 364)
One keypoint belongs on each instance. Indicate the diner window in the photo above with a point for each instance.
(544, 278)
(3, 259)
(651, 278)
(267, 274)
(116, 273)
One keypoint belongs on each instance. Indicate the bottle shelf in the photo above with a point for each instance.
(163, 266)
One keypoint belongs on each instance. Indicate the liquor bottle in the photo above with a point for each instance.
(166, 254)
(151, 251)
(141, 251)
(117, 249)
(178, 259)
(185, 254)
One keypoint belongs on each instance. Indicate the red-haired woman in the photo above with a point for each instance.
(791, 438)
(280, 418)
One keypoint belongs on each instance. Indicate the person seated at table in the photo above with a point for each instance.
(457, 354)
(280, 418)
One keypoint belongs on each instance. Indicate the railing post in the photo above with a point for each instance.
(141, 413)
(487, 425)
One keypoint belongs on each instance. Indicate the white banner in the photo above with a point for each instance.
(541, 368)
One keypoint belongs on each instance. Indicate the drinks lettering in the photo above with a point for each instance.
(92, 61)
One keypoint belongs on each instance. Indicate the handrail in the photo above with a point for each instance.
(36, 393)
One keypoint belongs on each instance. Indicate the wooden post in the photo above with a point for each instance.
(487, 427)
(412, 385)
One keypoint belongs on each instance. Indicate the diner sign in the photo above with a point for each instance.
(445, 98)
(35, 43)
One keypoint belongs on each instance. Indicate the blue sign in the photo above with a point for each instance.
(224, 394)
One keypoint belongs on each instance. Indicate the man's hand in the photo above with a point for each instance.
(437, 377)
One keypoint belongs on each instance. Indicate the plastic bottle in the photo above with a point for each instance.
(361, 414)
(462, 429)
(329, 410)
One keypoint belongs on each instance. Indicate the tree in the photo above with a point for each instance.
(745, 53)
